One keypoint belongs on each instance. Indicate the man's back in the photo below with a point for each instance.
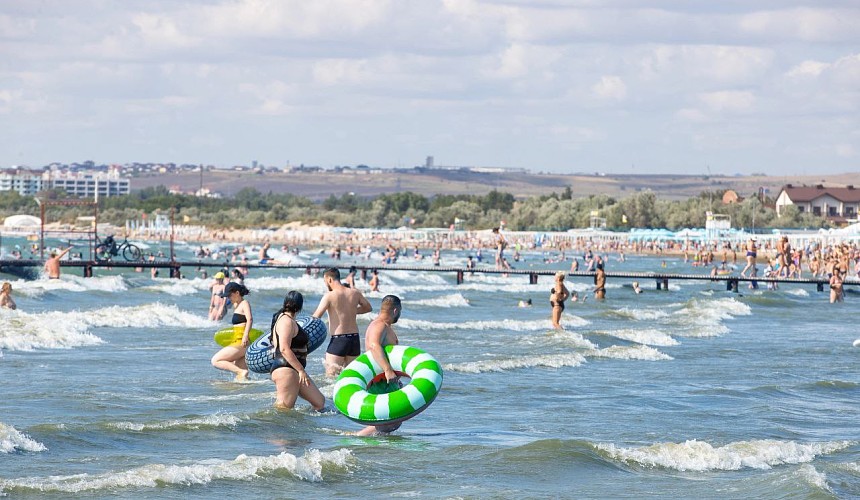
(343, 307)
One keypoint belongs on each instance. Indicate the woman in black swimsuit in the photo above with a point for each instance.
(288, 372)
(558, 295)
(232, 357)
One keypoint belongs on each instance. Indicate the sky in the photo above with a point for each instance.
(624, 86)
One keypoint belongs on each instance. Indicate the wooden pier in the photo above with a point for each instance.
(661, 280)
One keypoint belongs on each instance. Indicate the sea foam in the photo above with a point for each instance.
(645, 336)
(308, 467)
(503, 324)
(639, 352)
(207, 421)
(12, 440)
(701, 456)
(508, 364)
(453, 300)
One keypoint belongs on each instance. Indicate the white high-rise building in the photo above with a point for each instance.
(87, 184)
(26, 183)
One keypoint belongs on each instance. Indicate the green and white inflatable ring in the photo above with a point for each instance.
(361, 393)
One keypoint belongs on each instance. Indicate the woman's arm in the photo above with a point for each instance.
(286, 331)
(249, 321)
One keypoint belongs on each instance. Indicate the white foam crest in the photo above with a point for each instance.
(215, 420)
(704, 317)
(303, 283)
(178, 288)
(642, 314)
(700, 456)
(502, 324)
(21, 331)
(453, 300)
(639, 352)
(69, 283)
(568, 338)
(308, 467)
(11, 440)
(851, 467)
(502, 365)
(798, 292)
(809, 474)
(151, 315)
(647, 336)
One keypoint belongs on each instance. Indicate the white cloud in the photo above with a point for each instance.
(610, 87)
(491, 81)
(731, 101)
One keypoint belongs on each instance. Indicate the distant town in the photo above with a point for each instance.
(836, 199)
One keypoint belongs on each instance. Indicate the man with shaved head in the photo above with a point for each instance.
(378, 335)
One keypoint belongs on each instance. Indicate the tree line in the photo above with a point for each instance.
(250, 208)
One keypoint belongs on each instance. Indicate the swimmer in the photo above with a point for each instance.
(232, 357)
(342, 305)
(217, 304)
(379, 334)
(6, 300)
(636, 287)
(374, 281)
(288, 372)
(525, 303)
(558, 295)
(600, 283)
(52, 265)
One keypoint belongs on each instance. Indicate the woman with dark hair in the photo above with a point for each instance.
(232, 357)
(288, 372)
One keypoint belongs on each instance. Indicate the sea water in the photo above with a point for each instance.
(690, 392)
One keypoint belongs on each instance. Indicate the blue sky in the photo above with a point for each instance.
(555, 86)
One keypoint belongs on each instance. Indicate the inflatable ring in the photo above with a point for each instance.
(352, 398)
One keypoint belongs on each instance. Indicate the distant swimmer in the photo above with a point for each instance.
(379, 334)
(288, 372)
(836, 294)
(343, 305)
(52, 265)
(374, 281)
(232, 357)
(6, 300)
(752, 252)
(636, 287)
(264, 253)
(350, 277)
(525, 303)
(600, 283)
(558, 295)
(217, 303)
(857, 343)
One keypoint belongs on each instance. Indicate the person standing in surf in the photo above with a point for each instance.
(52, 265)
(343, 305)
(288, 371)
(217, 303)
(232, 357)
(559, 294)
(6, 300)
(379, 334)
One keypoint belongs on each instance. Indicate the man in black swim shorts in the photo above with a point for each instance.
(342, 304)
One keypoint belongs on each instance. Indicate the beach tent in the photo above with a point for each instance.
(26, 221)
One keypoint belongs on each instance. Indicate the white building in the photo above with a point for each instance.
(27, 184)
(87, 184)
(836, 204)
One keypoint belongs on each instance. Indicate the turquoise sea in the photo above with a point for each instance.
(694, 392)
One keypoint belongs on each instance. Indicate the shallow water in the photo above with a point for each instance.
(692, 392)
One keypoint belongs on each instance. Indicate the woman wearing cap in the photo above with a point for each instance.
(232, 357)
(288, 371)
(217, 304)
